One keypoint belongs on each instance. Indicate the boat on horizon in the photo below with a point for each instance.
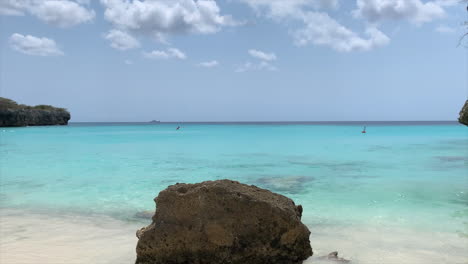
(155, 121)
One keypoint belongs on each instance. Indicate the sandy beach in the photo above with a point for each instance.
(38, 238)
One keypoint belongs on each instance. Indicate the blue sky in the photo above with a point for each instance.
(236, 60)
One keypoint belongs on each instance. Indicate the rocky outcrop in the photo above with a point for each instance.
(12, 114)
(223, 222)
(464, 114)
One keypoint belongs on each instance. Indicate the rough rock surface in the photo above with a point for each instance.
(225, 222)
(464, 114)
(13, 114)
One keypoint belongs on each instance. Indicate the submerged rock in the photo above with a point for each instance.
(14, 115)
(223, 222)
(464, 114)
(289, 184)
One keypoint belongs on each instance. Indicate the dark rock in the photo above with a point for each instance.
(223, 222)
(14, 115)
(464, 114)
(333, 257)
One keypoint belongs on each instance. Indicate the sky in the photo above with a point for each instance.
(236, 60)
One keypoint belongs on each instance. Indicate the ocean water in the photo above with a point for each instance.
(397, 194)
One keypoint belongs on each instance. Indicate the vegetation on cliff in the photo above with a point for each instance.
(14, 114)
(464, 114)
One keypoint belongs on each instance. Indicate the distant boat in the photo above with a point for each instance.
(155, 121)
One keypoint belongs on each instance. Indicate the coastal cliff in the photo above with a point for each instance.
(13, 114)
(464, 114)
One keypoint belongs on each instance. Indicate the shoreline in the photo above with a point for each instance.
(30, 236)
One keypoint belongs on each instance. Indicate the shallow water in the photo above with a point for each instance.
(369, 196)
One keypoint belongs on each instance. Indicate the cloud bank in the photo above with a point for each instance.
(310, 22)
(318, 27)
(158, 19)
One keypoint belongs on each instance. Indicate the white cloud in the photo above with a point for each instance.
(264, 63)
(84, 2)
(171, 53)
(249, 66)
(321, 29)
(175, 53)
(61, 13)
(283, 8)
(445, 29)
(317, 27)
(158, 18)
(13, 7)
(209, 64)
(416, 11)
(34, 46)
(262, 55)
(121, 40)
(128, 62)
(448, 2)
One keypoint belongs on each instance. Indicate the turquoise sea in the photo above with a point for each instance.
(410, 178)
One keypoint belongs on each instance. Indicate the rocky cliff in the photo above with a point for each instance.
(464, 114)
(13, 114)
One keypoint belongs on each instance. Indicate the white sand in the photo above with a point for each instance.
(37, 239)
(31, 238)
(366, 245)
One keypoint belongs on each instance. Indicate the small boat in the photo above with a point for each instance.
(155, 121)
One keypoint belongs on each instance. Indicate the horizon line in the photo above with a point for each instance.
(358, 121)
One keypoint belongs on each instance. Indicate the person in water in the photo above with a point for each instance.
(364, 131)
(178, 127)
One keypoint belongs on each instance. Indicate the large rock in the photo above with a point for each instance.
(225, 222)
(464, 114)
